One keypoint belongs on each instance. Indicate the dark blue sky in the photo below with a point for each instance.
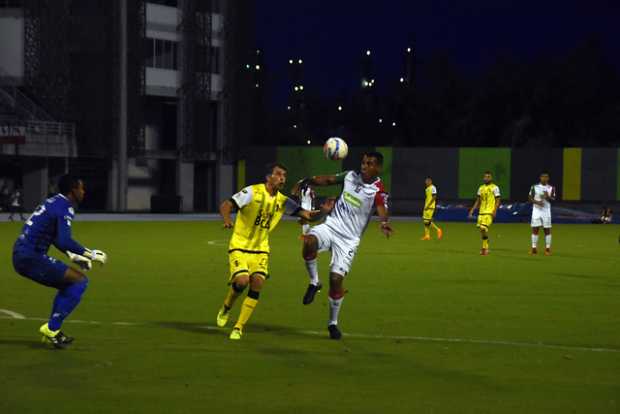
(331, 36)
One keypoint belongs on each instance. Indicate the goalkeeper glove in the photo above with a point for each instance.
(96, 256)
(83, 262)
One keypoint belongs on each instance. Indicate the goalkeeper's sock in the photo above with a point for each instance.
(335, 302)
(485, 242)
(65, 302)
(548, 241)
(233, 293)
(248, 306)
(534, 241)
(427, 230)
(313, 271)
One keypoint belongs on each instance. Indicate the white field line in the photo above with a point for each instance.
(491, 342)
(11, 314)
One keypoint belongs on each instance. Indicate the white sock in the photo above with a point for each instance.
(534, 241)
(548, 241)
(313, 271)
(334, 310)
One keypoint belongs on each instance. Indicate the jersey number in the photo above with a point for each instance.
(37, 212)
(263, 222)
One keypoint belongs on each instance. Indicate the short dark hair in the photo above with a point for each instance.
(68, 182)
(271, 166)
(544, 173)
(376, 155)
(488, 172)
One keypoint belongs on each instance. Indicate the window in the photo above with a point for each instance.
(161, 53)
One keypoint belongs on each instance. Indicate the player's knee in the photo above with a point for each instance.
(335, 280)
(310, 247)
(257, 282)
(240, 283)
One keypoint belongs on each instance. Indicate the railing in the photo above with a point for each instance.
(43, 139)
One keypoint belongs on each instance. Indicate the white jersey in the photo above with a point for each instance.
(537, 192)
(355, 205)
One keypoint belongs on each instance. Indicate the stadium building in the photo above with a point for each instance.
(142, 99)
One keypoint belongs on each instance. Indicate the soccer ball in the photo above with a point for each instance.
(335, 149)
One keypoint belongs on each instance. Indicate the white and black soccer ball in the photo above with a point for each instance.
(335, 149)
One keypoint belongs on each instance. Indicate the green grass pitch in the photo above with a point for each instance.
(434, 327)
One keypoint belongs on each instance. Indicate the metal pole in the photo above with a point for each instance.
(122, 130)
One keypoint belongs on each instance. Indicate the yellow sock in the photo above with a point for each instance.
(231, 297)
(427, 231)
(485, 243)
(246, 311)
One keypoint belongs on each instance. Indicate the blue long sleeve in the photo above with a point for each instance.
(64, 241)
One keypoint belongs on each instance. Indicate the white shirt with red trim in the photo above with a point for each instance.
(355, 205)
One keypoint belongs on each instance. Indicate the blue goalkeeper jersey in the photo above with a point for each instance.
(50, 224)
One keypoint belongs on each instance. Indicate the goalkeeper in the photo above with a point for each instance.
(51, 224)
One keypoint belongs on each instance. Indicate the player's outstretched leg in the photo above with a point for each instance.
(66, 300)
(547, 241)
(484, 234)
(534, 241)
(248, 306)
(309, 253)
(237, 287)
(427, 230)
(437, 229)
(336, 296)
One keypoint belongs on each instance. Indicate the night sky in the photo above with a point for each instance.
(332, 35)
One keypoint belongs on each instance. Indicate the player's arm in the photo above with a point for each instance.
(498, 202)
(550, 196)
(381, 203)
(531, 198)
(474, 207)
(74, 250)
(318, 181)
(237, 201)
(292, 208)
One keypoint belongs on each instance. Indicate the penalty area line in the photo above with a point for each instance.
(10, 315)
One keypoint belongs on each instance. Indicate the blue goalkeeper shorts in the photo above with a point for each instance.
(39, 268)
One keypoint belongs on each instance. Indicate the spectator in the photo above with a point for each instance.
(15, 204)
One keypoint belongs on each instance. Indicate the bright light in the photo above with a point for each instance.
(380, 120)
(300, 61)
(290, 61)
(408, 50)
(295, 126)
(257, 67)
(393, 124)
(309, 142)
(402, 80)
(339, 107)
(296, 88)
(257, 85)
(365, 83)
(301, 87)
(368, 53)
(247, 66)
(288, 108)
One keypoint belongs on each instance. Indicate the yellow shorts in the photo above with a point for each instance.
(427, 215)
(248, 263)
(485, 221)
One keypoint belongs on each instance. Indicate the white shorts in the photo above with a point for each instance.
(343, 250)
(539, 220)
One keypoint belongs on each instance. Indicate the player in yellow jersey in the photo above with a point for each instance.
(488, 199)
(430, 201)
(260, 208)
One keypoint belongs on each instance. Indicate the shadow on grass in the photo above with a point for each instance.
(194, 327)
(22, 343)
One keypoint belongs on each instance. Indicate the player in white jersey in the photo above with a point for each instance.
(342, 230)
(540, 196)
